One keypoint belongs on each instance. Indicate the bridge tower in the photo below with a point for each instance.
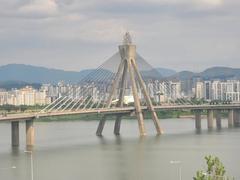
(128, 65)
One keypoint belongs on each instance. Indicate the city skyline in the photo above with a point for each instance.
(74, 35)
(159, 91)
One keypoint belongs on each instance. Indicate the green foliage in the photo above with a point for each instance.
(215, 170)
(22, 108)
(8, 108)
(200, 175)
(194, 100)
(215, 166)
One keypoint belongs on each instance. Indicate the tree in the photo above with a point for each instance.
(23, 108)
(215, 170)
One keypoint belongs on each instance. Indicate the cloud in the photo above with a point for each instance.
(54, 32)
(41, 7)
(213, 2)
(84, 29)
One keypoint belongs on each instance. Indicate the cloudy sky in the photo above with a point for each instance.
(78, 34)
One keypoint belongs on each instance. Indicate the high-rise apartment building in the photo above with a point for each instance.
(199, 90)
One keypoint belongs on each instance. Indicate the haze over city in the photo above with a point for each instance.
(74, 35)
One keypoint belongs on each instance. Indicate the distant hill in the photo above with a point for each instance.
(221, 73)
(166, 72)
(34, 74)
(21, 74)
(183, 75)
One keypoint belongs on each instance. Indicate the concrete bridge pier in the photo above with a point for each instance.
(117, 125)
(15, 133)
(237, 118)
(29, 132)
(101, 126)
(210, 119)
(218, 119)
(230, 118)
(198, 120)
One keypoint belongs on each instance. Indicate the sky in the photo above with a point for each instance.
(78, 34)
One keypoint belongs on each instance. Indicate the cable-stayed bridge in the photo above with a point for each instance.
(125, 84)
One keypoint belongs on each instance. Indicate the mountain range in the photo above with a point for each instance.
(213, 73)
(21, 75)
(35, 74)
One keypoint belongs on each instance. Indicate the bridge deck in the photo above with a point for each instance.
(124, 110)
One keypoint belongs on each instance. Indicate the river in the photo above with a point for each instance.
(69, 150)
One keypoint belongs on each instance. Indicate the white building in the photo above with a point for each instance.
(223, 90)
(175, 90)
(199, 90)
(25, 96)
(3, 97)
(216, 90)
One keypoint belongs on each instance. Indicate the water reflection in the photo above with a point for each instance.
(15, 151)
(30, 148)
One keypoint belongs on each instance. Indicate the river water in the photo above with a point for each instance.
(70, 151)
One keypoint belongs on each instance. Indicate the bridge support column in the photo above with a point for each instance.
(148, 99)
(101, 126)
(230, 118)
(198, 120)
(210, 119)
(237, 118)
(29, 133)
(118, 120)
(15, 133)
(218, 119)
(136, 99)
(117, 125)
